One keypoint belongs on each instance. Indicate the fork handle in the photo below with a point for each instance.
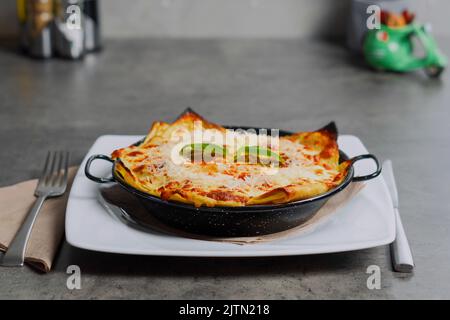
(15, 255)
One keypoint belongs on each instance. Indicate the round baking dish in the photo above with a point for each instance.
(233, 221)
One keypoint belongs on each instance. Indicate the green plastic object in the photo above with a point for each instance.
(392, 49)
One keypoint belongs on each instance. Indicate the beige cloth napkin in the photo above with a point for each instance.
(115, 195)
(16, 201)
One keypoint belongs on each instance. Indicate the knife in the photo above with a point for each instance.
(401, 256)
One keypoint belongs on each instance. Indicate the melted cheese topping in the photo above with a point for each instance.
(157, 167)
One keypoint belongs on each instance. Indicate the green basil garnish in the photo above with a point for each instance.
(199, 151)
(263, 155)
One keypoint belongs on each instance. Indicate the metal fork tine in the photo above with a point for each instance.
(65, 165)
(59, 172)
(46, 169)
(48, 178)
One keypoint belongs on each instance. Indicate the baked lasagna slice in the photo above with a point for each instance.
(197, 162)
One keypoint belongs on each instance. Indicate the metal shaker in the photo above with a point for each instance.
(69, 29)
(92, 40)
(38, 39)
(22, 17)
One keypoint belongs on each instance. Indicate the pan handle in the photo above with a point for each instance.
(88, 166)
(374, 174)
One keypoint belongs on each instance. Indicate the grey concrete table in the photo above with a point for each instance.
(289, 84)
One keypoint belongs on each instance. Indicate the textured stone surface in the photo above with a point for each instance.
(294, 85)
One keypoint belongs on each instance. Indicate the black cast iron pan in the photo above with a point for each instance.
(233, 221)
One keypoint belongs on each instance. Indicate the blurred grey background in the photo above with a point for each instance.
(230, 18)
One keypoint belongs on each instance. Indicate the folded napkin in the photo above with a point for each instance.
(123, 205)
(16, 202)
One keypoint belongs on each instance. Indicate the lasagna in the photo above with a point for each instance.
(197, 162)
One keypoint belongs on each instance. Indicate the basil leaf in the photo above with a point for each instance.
(263, 155)
(200, 151)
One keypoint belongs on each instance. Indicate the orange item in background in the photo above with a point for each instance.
(395, 20)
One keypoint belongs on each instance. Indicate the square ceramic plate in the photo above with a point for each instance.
(366, 221)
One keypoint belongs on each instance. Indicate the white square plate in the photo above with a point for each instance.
(367, 221)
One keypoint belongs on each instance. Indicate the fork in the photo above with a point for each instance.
(52, 183)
